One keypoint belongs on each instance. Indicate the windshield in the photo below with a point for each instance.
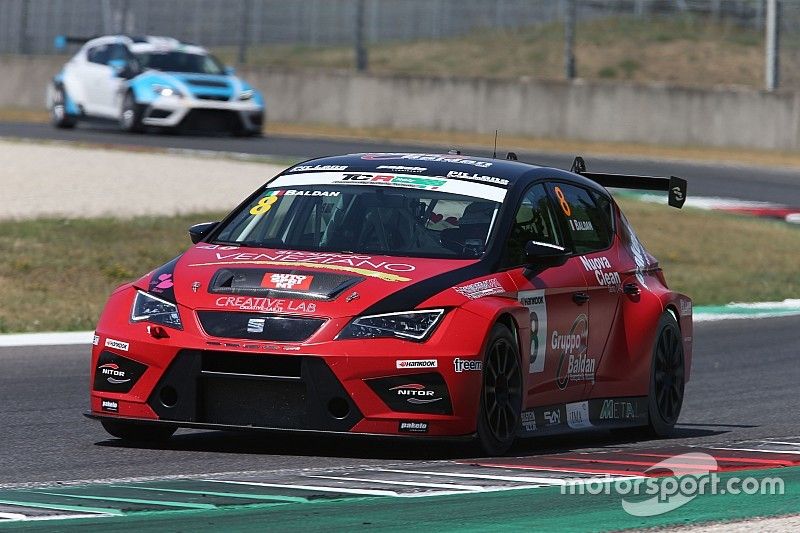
(364, 219)
(180, 62)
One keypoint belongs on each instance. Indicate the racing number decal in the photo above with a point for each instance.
(563, 201)
(264, 205)
(536, 303)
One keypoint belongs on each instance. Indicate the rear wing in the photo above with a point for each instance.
(676, 187)
(61, 41)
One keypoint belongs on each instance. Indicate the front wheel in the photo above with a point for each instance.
(130, 118)
(136, 432)
(58, 111)
(501, 393)
(667, 377)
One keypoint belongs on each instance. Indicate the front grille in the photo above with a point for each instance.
(217, 97)
(207, 83)
(258, 326)
(212, 120)
(253, 390)
(159, 113)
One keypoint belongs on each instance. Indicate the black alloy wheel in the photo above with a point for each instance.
(667, 379)
(501, 393)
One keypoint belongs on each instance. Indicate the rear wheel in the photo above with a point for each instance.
(136, 432)
(58, 111)
(667, 377)
(130, 119)
(501, 393)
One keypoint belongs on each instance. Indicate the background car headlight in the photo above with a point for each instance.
(163, 90)
(246, 95)
(147, 307)
(410, 325)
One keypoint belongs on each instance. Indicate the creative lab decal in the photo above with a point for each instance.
(599, 267)
(416, 363)
(537, 308)
(117, 345)
(578, 415)
(479, 289)
(467, 365)
(297, 282)
(265, 305)
(574, 365)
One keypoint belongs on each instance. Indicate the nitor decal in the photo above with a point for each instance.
(287, 281)
(417, 363)
(573, 364)
(416, 393)
(537, 308)
(113, 373)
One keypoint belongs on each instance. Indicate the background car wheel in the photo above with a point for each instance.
(130, 119)
(58, 112)
(501, 393)
(667, 377)
(134, 432)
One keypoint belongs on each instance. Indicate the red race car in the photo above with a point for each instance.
(403, 294)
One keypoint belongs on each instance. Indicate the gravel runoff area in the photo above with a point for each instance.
(53, 180)
(778, 524)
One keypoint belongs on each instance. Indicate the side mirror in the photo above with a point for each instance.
(117, 66)
(198, 231)
(229, 71)
(545, 254)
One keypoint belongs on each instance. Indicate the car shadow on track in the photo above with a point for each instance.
(398, 448)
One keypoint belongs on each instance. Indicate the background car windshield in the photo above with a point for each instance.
(364, 219)
(180, 62)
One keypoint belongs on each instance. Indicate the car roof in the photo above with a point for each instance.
(517, 173)
(148, 43)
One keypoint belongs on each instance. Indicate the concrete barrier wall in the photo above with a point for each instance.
(651, 114)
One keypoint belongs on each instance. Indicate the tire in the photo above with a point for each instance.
(130, 118)
(501, 393)
(136, 432)
(667, 377)
(58, 113)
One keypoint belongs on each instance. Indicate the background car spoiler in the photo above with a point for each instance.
(676, 187)
(61, 41)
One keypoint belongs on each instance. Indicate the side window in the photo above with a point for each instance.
(534, 221)
(99, 54)
(587, 224)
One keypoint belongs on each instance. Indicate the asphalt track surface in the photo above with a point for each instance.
(743, 387)
(742, 182)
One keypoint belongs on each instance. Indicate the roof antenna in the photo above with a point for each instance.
(494, 154)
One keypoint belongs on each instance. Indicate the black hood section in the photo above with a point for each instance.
(162, 282)
(277, 282)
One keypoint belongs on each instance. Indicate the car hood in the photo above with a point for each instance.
(265, 280)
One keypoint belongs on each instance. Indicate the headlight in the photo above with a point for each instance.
(147, 307)
(163, 90)
(246, 95)
(410, 325)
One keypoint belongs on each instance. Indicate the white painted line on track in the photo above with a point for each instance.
(46, 339)
(339, 490)
(522, 479)
(453, 486)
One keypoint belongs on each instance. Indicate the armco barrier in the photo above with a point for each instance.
(651, 114)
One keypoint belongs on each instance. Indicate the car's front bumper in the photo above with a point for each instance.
(191, 378)
(201, 114)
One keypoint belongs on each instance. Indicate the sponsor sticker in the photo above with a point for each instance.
(477, 177)
(573, 364)
(599, 265)
(479, 289)
(287, 281)
(686, 308)
(161, 283)
(400, 168)
(113, 373)
(578, 415)
(111, 406)
(467, 365)
(412, 427)
(528, 420)
(618, 410)
(537, 309)
(416, 363)
(117, 345)
(318, 168)
(552, 417)
(96, 340)
(426, 157)
(416, 393)
(265, 305)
